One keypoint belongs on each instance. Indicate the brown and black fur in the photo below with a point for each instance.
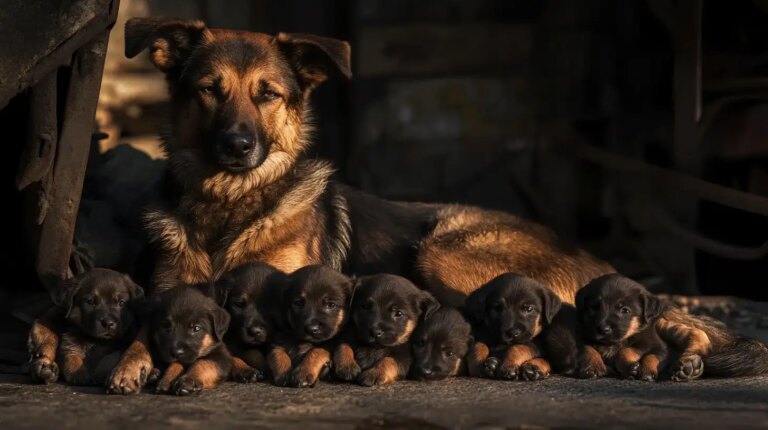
(251, 295)
(232, 90)
(97, 317)
(315, 306)
(440, 344)
(618, 319)
(385, 311)
(187, 332)
(511, 315)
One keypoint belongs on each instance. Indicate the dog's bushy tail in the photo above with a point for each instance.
(742, 356)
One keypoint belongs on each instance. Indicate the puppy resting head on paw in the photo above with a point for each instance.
(613, 308)
(387, 308)
(512, 309)
(100, 302)
(186, 325)
(439, 345)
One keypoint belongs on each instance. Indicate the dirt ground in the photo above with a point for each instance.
(458, 403)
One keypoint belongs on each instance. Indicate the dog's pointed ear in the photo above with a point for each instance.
(551, 304)
(219, 290)
(314, 58)
(428, 304)
(169, 41)
(64, 294)
(220, 322)
(354, 282)
(137, 293)
(652, 306)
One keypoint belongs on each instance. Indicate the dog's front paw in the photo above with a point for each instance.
(631, 372)
(688, 368)
(44, 370)
(372, 377)
(647, 375)
(281, 379)
(490, 366)
(302, 377)
(347, 372)
(129, 376)
(187, 385)
(593, 369)
(507, 371)
(247, 375)
(531, 371)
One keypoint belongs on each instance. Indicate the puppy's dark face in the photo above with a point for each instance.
(387, 308)
(512, 309)
(612, 308)
(440, 344)
(239, 96)
(316, 301)
(187, 325)
(100, 302)
(249, 294)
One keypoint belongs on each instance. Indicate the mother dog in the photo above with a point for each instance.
(240, 122)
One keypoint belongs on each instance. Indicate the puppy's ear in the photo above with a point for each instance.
(220, 320)
(354, 282)
(314, 58)
(475, 304)
(137, 293)
(64, 294)
(652, 306)
(169, 41)
(220, 289)
(550, 304)
(428, 304)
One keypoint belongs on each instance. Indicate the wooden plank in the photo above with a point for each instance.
(442, 49)
(58, 228)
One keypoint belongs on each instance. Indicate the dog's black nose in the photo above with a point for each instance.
(514, 332)
(108, 323)
(238, 144)
(604, 329)
(312, 328)
(177, 351)
(377, 333)
(257, 331)
(426, 371)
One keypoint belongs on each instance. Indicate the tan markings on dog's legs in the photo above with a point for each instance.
(279, 363)
(476, 359)
(171, 374)
(207, 372)
(688, 340)
(310, 368)
(386, 371)
(626, 362)
(649, 365)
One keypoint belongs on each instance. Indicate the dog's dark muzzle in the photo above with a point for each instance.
(240, 151)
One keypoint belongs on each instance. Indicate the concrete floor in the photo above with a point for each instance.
(458, 403)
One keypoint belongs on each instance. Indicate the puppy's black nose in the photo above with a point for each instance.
(177, 352)
(426, 371)
(377, 332)
(256, 331)
(514, 332)
(108, 323)
(238, 144)
(604, 329)
(312, 328)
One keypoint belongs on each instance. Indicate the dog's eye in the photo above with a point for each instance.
(121, 303)
(269, 95)
(330, 305)
(398, 313)
(196, 328)
(90, 301)
(624, 310)
(527, 308)
(239, 304)
(299, 303)
(449, 353)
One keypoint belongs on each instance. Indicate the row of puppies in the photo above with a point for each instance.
(257, 323)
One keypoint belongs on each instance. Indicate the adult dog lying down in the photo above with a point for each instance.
(239, 125)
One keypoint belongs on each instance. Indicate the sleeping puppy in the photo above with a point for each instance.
(385, 311)
(187, 329)
(618, 319)
(314, 307)
(440, 344)
(100, 310)
(509, 313)
(250, 293)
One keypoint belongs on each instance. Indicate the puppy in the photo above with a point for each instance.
(100, 311)
(313, 308)
(508, 315)
(385, 311)
(440, 344)
(618, 318)
(250, 294)
(187, 330)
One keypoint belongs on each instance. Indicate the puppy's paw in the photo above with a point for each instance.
(347, 372)
(688, 368)
(372, 377)
(44, 370)
(647, 375)
(302, 377)
(593, 369)
(490, 366)
(187, 385)
(154, 376)
(247, 375)
(281, 379)
(129, 376)
(507, 371)
(631, 372)
(533, 372)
